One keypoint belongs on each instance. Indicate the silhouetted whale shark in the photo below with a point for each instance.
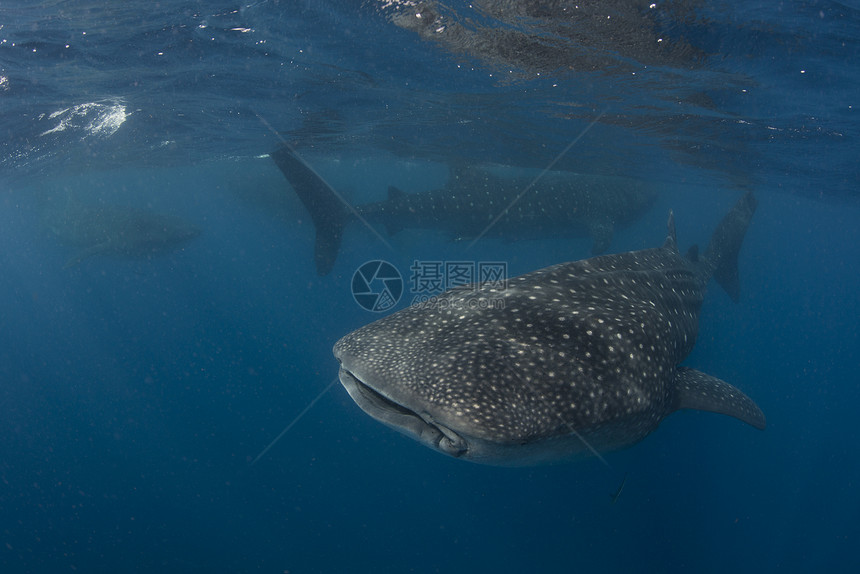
(116, 230)
(573, 359)
(476, 201)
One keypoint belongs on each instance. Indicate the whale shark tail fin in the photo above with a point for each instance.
(328, 212)
(720, 259)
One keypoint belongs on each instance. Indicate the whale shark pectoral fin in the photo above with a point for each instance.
(85, 253)
(697, 390)
(601, 230)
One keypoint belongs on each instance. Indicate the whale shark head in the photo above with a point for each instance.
(445, 378)
(506, 377)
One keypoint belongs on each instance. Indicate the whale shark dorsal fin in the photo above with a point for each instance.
(601, 231)
(395, 193)
(671, 236)
(700, 391)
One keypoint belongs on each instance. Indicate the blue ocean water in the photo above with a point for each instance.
(136, 392)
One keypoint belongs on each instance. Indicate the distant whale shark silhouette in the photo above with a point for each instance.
(116, 230)
(476, 201)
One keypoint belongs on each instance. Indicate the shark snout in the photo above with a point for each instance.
(381, 400)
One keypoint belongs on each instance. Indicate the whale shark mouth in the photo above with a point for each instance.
(422, 427)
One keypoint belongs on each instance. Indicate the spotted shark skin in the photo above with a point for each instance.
(575, 359)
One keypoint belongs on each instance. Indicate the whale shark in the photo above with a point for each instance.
(571, 360)
(477, 200)
(116, 230)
